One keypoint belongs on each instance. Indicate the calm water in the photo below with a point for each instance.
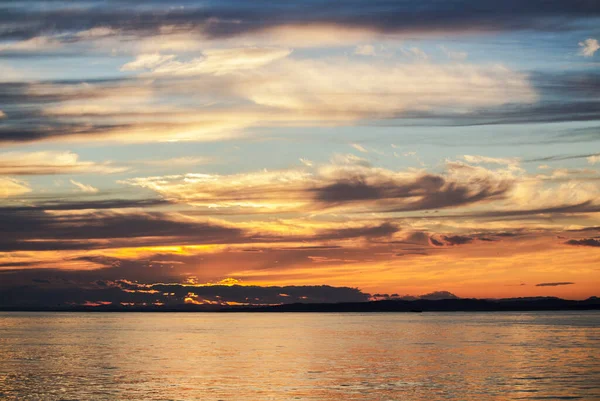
(429, 356)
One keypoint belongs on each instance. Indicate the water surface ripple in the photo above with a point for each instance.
(316, 356)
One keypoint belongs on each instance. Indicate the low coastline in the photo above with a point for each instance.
(416, 306)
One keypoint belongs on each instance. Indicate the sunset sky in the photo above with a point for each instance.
(150, 150)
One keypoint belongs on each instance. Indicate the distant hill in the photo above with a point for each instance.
(438, 295)
(437, 305)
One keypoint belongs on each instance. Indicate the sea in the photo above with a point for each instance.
(300, 356)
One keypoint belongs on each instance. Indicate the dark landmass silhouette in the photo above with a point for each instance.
(391, 305)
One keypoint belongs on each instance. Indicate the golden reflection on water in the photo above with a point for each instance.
(394, 356)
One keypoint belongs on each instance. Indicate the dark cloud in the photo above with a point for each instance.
(430, 192)
(24, 103)
(46, 293)
(411, 253)
(435, 242)
(592, 228)
(38, 230)
(18, 264)
(568, 108)
(583, 207)
(507, 234)
(562, 157)
(452, 240)
(257, 294)
(380, 230)
(49, 91)
(61, 204)
(543, 112)
(357, 189)
(108, 269)
(457, 240)
(108, 224)
(30, 131)
(584, 242)
(304, 248)
(554, 284)
(566, 96)
(231, 17)
(579, 84)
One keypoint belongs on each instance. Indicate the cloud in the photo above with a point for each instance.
(457, 240)
(376, 231)
(51, 162)
(227, 19)
(306, 162)
(593, 159)
(100, 111)
(453, 240)
(593, 242)
(524, 213)
(454, 55)
(359, 148)
(10, 187)
(554, 284)
(329, 86)
(475, 159)
(415, 52)
(590, 157)
(237, 90)
(34, 229)
(214, 61)
(44, 291)
(35, 44)
(589, 47)
(147, 62)
(176, 161)
(365, 50)
(120, 223)
(61, 204)
(345, 185)
(564, 96)
(84, 187)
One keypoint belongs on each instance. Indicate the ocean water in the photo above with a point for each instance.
(324, 356)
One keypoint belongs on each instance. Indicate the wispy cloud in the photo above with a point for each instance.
(365, 50)
(214, 61)
(593, 159)
(476, 159)
(360, 148)
(10, 187)
(589, 47)
(84, 187)
(453, 54)
(52, 162)
(306, 162)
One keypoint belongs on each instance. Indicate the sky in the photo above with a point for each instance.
(237, 152)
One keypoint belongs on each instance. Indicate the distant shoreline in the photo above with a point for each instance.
(416, 306)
